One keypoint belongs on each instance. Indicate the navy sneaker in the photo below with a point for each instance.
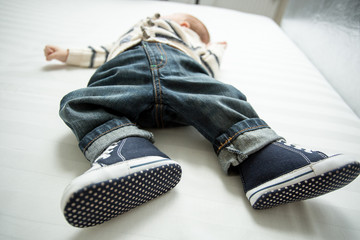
(128, 173)
(282, 173)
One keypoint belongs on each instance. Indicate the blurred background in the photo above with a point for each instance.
(327, 31)
(270, 8)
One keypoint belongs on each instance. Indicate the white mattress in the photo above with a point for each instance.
(39, 154)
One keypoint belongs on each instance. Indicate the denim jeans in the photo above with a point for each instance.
(155, 85)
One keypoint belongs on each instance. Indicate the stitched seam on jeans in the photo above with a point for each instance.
(162, 63)
(163, 53)
(158, 102)
(236, 134)
(156, 79)
(97, 137)
(154, 84)
(156, 98)
(161, 102)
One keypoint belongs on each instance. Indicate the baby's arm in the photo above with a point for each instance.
(212, 56)
(86, 57)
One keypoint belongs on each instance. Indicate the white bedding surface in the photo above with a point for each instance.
(39, 154)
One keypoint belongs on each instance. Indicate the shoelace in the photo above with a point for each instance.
(296, 146)
(107, 152)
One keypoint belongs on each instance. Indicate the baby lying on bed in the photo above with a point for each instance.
(162, 73)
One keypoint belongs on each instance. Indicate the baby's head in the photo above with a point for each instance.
(189, 21)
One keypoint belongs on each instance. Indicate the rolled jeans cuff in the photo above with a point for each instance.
(236, 146)
(95, 142)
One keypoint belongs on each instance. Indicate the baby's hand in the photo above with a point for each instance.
(223, 43)
(54, 52)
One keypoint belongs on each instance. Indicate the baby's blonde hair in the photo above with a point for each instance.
(199, 27)
(195, 24)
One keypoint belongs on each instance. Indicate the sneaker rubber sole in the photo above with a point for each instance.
(306, 183)
(100, 202)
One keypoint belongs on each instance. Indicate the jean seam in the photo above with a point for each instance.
(161, 100)
(102, 134)
(236, 134)
(156, 79)
(158, 98)
(154, 82)
(163, 53)
(158, 67)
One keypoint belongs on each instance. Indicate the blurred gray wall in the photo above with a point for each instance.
(328, 32)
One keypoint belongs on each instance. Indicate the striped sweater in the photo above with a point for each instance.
(153, 29)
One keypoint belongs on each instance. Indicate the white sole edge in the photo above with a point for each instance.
(98, 174)
(299, 175)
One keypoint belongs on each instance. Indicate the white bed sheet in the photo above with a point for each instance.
(39, 154)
